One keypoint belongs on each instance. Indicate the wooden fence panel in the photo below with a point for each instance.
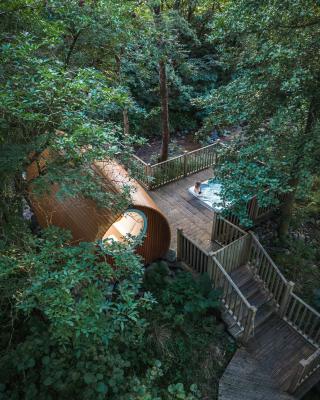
(191, 253)
(305, 369)
(235, 254)
(304, 319)
(167, 171)
(266, 270)
(233, 300)
(223, 231)
(200, 159)
(159, 174)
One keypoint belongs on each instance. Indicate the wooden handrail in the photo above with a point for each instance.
(177, 167)
(235, 287)
(244, 319)
(230, 244)
(311, 358)
(167, 161)
(234, 254)
(267, 256)
(313, 310)
(233, 225)
(300, 315)
(305, 369)
(204, 148)
(140, 160)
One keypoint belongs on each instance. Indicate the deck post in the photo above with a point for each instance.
(210, 268)
(179, 244)
(247, 248)
(296, 377)
(185, 163)
(249, 326)
(149, 175)
(214, 226)
(285, 299)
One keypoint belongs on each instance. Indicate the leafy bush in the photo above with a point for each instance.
(74, 325)
(183, 329)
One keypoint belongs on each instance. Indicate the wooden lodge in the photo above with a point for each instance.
(88, 222)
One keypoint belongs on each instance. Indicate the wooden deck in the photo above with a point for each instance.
(263, 370)
(267, 365)
(185, 211)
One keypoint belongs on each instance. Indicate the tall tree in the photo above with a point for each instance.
(272, 51)
(157, 10)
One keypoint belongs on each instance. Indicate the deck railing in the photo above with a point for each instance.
(267, 272)
(224, 231)
(305, 369)
(304, 319)
(233, 300)
(189, 252)
(234, 254)
(239, 248)
(152, 176)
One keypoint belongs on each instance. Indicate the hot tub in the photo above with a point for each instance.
(210, 195)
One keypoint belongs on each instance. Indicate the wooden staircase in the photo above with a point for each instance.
(257, 296)
(281, 333)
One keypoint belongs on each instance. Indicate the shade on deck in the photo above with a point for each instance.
(88, 222)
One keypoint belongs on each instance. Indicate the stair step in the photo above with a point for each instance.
(241, 275)
(264, 312)
(233, 328)
(259, 298)
(250, 288)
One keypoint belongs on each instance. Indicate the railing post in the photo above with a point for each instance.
(210, 268)
(179, 244)
(214, 227)
(249, 324)
(296, 377)
(247, 249)
(185, 163)
(285, 299)
(149, 175)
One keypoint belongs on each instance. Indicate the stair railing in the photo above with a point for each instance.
(305, 369)
(232, 298)
(269, 274)
(302, 317)
(223, 231)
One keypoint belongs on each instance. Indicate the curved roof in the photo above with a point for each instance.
(88, 222)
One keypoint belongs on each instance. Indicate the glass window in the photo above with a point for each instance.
(132, 224)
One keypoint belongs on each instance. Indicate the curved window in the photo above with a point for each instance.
(131, 225)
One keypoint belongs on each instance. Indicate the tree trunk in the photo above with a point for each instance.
(164, 111)
(287, 207)
(163, 84)
(125, 122)
(286, 210)
(125, 115)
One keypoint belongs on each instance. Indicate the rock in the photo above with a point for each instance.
(171, 256)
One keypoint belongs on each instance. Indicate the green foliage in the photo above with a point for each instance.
(75, 325)
(267, 49)
(183, 329)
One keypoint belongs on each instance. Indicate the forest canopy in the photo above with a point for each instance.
(93, 80)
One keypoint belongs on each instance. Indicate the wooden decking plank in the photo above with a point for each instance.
(264, 369)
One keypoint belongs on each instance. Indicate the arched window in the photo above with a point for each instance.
(132, 224)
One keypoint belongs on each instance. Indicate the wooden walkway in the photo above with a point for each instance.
(185, 211)
(265, 367)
